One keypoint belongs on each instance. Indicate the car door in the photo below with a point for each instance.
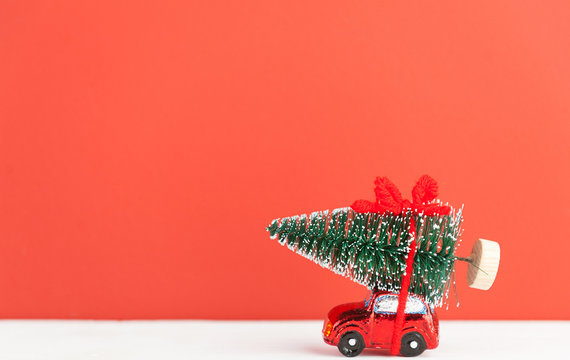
(384, 314)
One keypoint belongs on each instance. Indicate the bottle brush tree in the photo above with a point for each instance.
(369, 242)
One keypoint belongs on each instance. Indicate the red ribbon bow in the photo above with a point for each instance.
(389, 199)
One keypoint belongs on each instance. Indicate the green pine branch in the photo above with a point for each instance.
(371, 249)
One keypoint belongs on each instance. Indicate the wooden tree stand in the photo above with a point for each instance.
(483, 264)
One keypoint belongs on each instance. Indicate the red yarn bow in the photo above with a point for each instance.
(389, 198)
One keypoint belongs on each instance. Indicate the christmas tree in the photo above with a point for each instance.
(370, 241)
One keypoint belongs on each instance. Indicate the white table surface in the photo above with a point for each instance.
(190, 339)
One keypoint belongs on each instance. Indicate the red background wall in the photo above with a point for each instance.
(144, 148)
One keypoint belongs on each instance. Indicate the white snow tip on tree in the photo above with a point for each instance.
(484, 264)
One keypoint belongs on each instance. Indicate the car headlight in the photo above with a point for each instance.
(328, 329)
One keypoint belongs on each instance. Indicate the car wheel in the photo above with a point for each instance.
(351, 344)
(413, 344)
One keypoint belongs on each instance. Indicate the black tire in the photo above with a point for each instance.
(351, 344)
(412, 344)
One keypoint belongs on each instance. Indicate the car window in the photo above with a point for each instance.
(415, 306)
(388, 304)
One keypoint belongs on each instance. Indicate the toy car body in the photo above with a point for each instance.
(370, 324)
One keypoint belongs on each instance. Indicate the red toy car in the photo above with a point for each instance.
(370, 323)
